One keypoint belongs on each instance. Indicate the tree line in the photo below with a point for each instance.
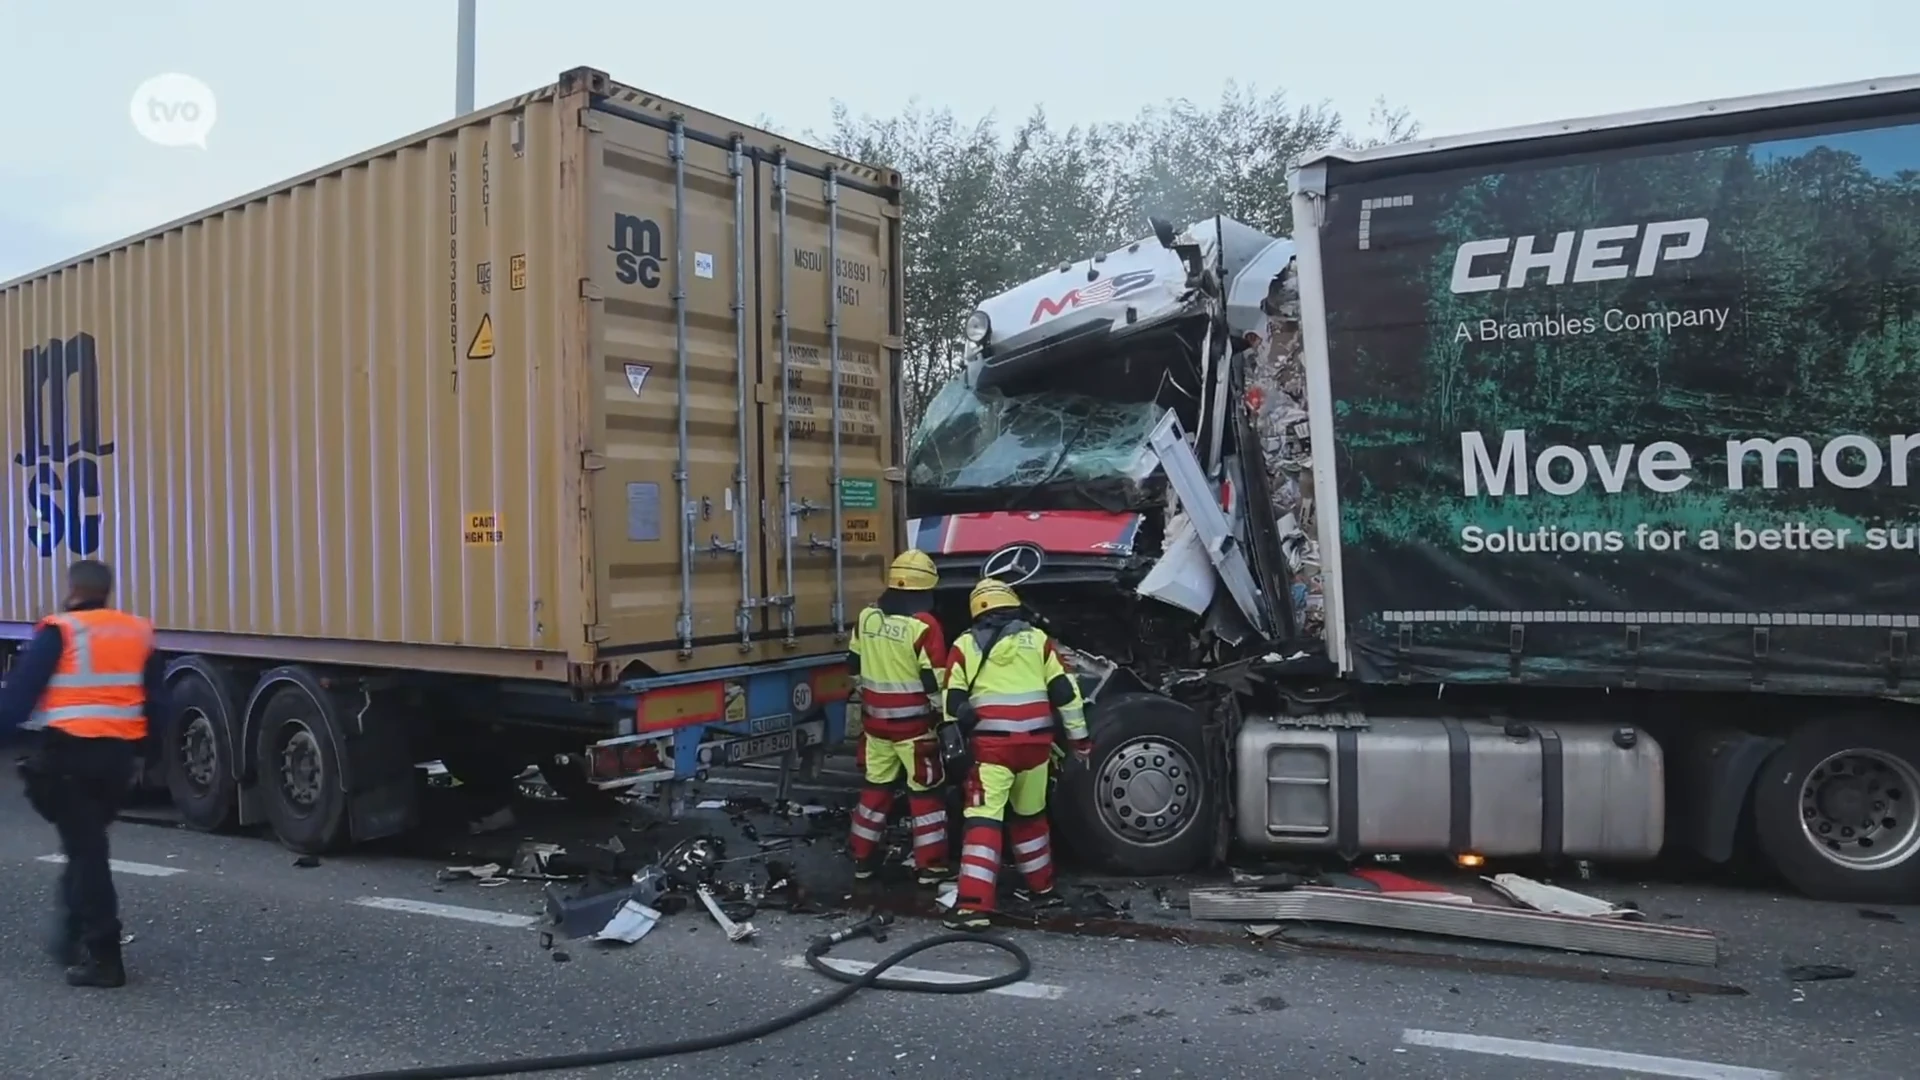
(988, 205)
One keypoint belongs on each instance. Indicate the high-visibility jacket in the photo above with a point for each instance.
(1016, 688)
(898, 660)
(99, 689)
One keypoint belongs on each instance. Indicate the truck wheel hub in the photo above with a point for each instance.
(198, 758)
(300, 767)
(1146, 790)
(1857, 809)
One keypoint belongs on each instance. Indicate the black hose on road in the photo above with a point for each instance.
(853, 984)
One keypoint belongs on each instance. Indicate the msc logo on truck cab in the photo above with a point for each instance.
(636, 250)
(1116, 287)
(1576, 257)
(60, 423)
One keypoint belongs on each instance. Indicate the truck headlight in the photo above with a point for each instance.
(978, 327)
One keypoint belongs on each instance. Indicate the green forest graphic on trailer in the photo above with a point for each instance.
(1539, 375)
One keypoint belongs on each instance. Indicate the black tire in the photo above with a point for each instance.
(1127, 730)
(309, 815)
(1779, 810)
(196, 754)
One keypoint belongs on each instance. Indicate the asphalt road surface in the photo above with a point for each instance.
(245, 966)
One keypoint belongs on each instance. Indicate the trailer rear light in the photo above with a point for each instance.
(1469, 861)
(623, 759)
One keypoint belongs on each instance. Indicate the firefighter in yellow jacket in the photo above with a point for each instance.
(897, 658)
(1006, 688)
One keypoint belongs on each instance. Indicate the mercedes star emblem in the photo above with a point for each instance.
(1014, 563)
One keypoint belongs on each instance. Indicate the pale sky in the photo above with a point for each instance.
(301, 86)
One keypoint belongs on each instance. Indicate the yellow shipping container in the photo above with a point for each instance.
(503, 399)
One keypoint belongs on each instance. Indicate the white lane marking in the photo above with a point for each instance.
(1040, 991)
(447, 911)
(121, 866)
(1588, 1057)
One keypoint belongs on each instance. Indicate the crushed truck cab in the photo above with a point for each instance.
(1516, 506)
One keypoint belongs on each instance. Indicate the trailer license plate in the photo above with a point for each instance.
(740, 750)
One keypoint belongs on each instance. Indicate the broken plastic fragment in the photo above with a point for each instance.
(629, 924)
(740, 931)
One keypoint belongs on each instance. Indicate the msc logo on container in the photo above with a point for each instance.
(1576, 257)
(636, 250)
(60, 423)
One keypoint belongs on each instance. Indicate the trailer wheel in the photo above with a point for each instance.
(1837, 811)
(299, 770)
(196, 754)
(1143, 805)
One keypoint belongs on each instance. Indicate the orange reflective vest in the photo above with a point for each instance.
(99, 690)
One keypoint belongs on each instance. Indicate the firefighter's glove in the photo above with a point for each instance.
(1082, 752)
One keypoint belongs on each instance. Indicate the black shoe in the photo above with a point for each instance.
(102, 969)
(933, 877)
(1047, 899)
(974, 921)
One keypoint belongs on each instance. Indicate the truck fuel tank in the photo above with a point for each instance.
(1352, 784)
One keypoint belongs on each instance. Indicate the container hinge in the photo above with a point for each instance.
(1896, 657)
(598, 632)
(894, 342)
(590, 120)
(895, 474)
(1516, 647)
(1632, 678)
(591, 461)
(888, 210)
(1762, 640)
(590, 291)
(1402, 645)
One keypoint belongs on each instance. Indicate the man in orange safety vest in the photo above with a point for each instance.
(87, 681)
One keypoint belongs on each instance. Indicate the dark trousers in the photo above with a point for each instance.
(80, 785)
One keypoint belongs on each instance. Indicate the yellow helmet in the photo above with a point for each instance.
(991, 594)
(913, 571)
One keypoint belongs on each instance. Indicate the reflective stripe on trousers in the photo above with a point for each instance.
(1013, 727)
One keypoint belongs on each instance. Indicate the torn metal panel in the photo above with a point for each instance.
(1555, 900)
(1514, 926)
(1189, 481)
(632, 922)
(1184, 576)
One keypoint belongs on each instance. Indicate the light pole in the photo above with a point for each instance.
(463, 63)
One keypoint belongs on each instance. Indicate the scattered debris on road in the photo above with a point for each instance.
(1817, 972)
(1486, 922)
(736, 932)
(1555, 900)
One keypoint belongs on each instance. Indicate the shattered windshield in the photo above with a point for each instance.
(972, 439)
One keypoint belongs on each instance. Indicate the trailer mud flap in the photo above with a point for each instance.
(383, 797)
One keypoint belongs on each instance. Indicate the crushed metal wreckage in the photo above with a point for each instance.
(1517, 911)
